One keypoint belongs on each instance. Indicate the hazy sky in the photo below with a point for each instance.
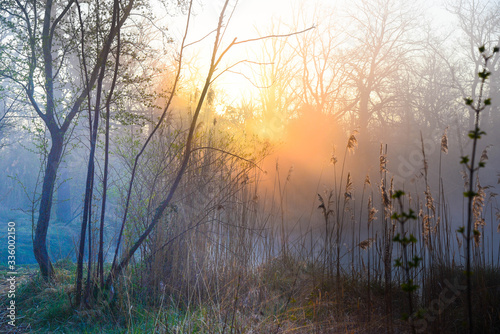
(250, 18)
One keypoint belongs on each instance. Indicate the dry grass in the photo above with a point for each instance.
(225, 260)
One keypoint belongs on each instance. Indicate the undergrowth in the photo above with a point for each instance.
(281, 296)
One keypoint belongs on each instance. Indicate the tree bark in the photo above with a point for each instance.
(49, 180)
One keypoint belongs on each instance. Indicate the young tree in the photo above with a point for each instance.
(118, 266)
(38, 55)
(217, 54)
(89, 185)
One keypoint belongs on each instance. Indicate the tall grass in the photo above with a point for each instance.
(228, 258)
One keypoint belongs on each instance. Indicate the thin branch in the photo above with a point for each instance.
(226, 152)
(274, 36)
(59, 18)
(228, 20)
(200, 38)
(237, 63)
(93, 76)
(234, 42)
(115, 266)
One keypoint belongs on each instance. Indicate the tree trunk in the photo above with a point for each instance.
(49, 180)
(63, 207)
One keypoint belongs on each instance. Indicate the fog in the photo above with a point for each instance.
(207, 133)
(306, 124)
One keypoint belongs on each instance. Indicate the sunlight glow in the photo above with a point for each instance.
(248, 78)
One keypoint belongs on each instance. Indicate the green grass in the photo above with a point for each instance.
(274, 299)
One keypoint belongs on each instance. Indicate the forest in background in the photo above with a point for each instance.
(153, 188)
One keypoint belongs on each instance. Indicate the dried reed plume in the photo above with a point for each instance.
(498, 219)
(352, 143)
(325, 206)
(289, 176)
(444, 141)
(426, 164)
(348, 188)
(372, 211)
(477, 211)
(385, 198)
(427, 230)
(367, 180)
(484, 155)
(465, 178)
(365, 244)
(334, 159)
(429, 201)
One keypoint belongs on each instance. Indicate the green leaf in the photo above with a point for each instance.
(398, 194)
(476, 134)
(469, 194)
(484, 74)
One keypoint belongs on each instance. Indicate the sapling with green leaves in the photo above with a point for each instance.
(471, 167)
(404, 262)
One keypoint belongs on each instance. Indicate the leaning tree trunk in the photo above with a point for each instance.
(49, 180)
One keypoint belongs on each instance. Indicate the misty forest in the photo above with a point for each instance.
(195, 166)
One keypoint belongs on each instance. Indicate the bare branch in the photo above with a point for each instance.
(228, 153)
(117, 267)
(237, 63)
(200, 38)
(275, 36)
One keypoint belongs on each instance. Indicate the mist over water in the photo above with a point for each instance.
(302, 167)
(250, 167)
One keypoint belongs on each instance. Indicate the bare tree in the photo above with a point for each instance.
(322, 79)
(277, 98)
(479, 22)
(382, 40)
